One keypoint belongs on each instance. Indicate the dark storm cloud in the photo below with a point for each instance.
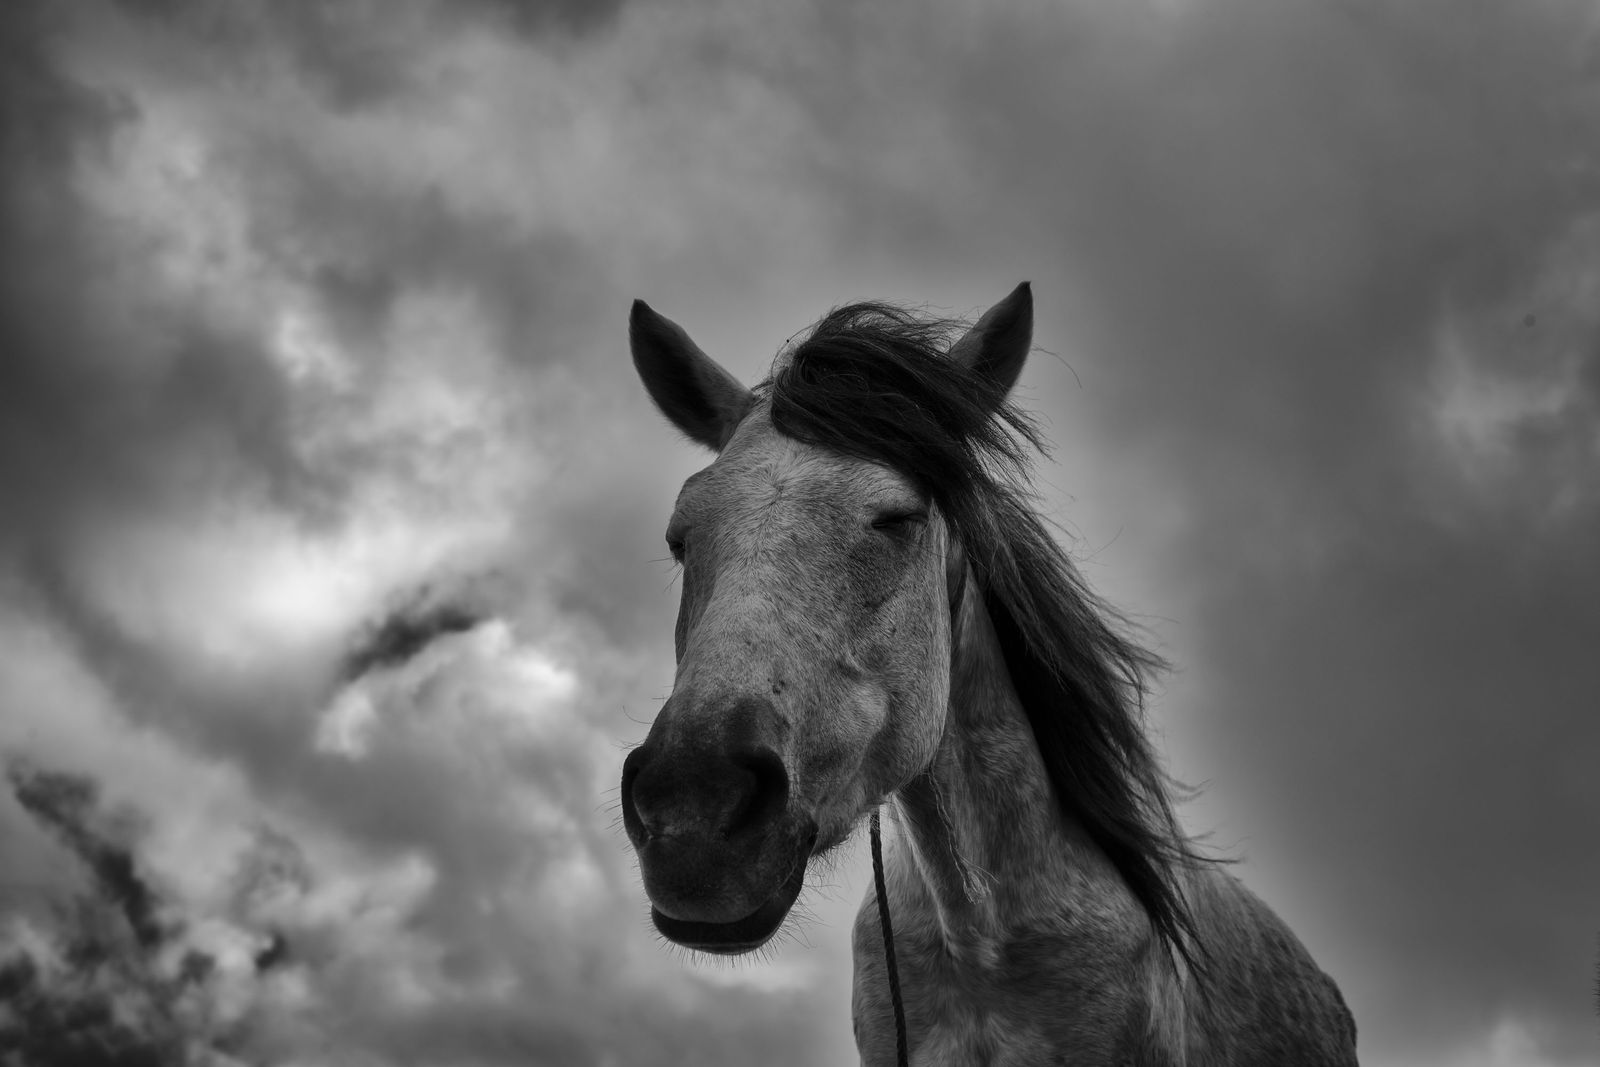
(117, 396)
(372, 245)
(108, 976)
(354, 56)
(407, 631)
(103, 395)
(121, 399)
(65, 804)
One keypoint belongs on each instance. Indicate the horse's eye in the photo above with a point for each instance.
(899, 522)
(675, 545)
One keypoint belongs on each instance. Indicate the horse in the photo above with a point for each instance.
(872, 615)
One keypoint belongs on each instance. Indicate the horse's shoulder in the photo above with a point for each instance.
(1264, 997)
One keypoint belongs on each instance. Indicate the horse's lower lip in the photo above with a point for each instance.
(741, 935)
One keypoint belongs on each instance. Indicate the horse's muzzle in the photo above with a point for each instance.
(723, 858)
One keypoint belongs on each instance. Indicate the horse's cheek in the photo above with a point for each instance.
(919, 714)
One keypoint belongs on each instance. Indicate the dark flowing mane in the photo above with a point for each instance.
(873, 381)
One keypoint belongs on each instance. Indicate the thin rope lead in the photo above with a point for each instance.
(888, 945)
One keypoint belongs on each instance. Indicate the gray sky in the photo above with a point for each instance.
(309, 319)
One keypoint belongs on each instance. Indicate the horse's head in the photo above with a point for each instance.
(813, 641)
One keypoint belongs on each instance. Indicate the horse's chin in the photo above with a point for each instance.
(742, 935)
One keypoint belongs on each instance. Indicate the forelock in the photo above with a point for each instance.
(876, 381)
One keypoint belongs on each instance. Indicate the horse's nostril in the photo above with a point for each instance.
(766, 788)
(632, 822)
(701, 792)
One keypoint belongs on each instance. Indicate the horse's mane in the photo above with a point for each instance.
(873, 381)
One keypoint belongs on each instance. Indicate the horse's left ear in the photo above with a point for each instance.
(690, 388)
(998, 345)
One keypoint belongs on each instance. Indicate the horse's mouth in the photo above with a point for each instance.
(741, 935)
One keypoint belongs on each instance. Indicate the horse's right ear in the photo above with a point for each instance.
(697, 395)
(998, 345)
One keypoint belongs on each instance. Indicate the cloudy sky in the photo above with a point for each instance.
(313, 348)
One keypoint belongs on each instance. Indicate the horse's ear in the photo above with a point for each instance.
(999, 344)
(701, 399)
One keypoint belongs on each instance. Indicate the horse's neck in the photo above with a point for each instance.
(992, 886)
(991, 852)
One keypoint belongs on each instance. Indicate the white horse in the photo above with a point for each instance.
(872, 615)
